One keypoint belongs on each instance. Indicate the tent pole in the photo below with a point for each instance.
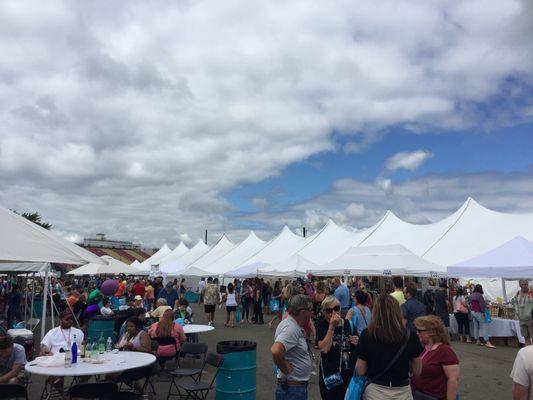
(52, 305)
(32, 294)
(45, 298)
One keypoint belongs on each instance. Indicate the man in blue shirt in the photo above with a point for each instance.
(342, 293)
(412, 308)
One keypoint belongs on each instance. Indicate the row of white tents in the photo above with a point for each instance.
(390, 247)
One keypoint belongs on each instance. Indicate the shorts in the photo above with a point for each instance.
(526, 329)
(209, 308)
(231, 308)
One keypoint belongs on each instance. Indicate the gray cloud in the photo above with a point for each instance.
(137, 120)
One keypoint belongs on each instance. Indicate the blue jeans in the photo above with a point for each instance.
(481, 328)
(292, 393)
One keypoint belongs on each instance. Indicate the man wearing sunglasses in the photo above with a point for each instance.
(291, 351)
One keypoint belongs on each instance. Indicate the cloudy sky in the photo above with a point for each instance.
(155, 121)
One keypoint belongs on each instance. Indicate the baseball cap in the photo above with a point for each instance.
(138, 297)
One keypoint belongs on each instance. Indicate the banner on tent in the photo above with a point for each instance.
(154, 268)
(435, 275)
(387, 272)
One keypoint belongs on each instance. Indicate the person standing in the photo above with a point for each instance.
(211, 299)
(231, 299)
(442, 304)
(258, 301)
(290, 351)
(523, 304)
(360, 315)
(169, 294)
(412, 308)
(385, 339)
(14, 299)
(342, 293)
(460, 311)
(337, 341)
(201, 289)
(397, 284)
(522, 374)
(440, 366)
(481, 327)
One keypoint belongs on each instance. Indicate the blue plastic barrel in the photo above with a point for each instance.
(236, 376)
(99, 325)
(37, 307)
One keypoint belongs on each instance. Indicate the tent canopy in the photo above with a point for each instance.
(294, 266)
(513, 259)
(379, 261)
(23, 268)
(23, 241)
(146, 265)
(247, 271)
(175, 254)
(174, 267)
(112, 267)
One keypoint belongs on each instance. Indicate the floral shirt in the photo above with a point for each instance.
(211, 294)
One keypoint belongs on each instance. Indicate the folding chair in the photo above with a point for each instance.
(199, 390)
(94, 390)
(195, 350)
(132, 375)
(13, 391)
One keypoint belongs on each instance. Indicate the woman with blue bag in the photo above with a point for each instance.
(338, 350)
(480, 317)
(387, 353)
(360, 315)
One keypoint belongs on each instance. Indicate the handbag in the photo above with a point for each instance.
(461, 307)
(358, 384)
(488, 318)
(274, 305)
(334, 380)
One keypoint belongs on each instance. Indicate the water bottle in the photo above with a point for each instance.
(88, 349)
(68, 357)
(74, 351)
(101, 343)
(94, 350)
(109, 345)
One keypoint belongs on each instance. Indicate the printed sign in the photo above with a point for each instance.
(387, 272)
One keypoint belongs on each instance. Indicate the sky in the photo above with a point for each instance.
(154, 122)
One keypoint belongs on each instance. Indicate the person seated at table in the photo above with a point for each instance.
(183, 310)
(57, 340)
(162, 306)
(135, 338)
(139, 313)
(129, 304)
(12, 361)
(106, 310)
(138, 302)
(167, 328)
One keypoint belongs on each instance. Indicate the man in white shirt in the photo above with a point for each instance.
(522, 374)
(201, 289)
(62, 336)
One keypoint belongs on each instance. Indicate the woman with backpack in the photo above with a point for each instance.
(460, 311)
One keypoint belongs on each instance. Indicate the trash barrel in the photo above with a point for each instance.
(236, 376)
(192, 297)
(38, 307)
(99, 325)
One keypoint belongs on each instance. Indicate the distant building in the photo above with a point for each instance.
(101, 241)
(122, 250)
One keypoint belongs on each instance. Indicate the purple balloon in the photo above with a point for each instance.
(109, 287)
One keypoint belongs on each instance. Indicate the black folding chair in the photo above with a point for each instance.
(94, 390)
(13, 391)
(195, 350)
(136, 374)
(199, 389)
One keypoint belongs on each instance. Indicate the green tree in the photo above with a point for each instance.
(35, 217)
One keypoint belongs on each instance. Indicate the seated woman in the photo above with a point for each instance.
(135, 338)
(440, 366)
(183, 310)
(167, 328)
(106, 310)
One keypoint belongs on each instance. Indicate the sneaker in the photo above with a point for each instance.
(210, 323)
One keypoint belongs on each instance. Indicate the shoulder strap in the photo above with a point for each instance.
(391, 363)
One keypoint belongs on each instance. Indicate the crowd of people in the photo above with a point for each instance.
(400, 341)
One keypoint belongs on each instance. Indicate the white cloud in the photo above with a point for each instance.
(260, 202)
(185, 238)
(138, 120)
(408, 160)
(355, 210)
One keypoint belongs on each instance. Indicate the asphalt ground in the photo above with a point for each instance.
(484, 372)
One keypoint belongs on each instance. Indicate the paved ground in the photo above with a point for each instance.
(484, 372)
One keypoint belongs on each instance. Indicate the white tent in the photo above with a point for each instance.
(155, 259)
(331, 242)
(247, 271)
(23, 241)
(240, 253)
(285, 244)
(513, 260)
(175, 254)
(24, 268)
(219, 250)
(174, 268)
(379, 261)
(294, 266)
(135, 264)
(112, 267)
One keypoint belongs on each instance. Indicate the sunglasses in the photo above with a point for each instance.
(330, 310)
(422, 330)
